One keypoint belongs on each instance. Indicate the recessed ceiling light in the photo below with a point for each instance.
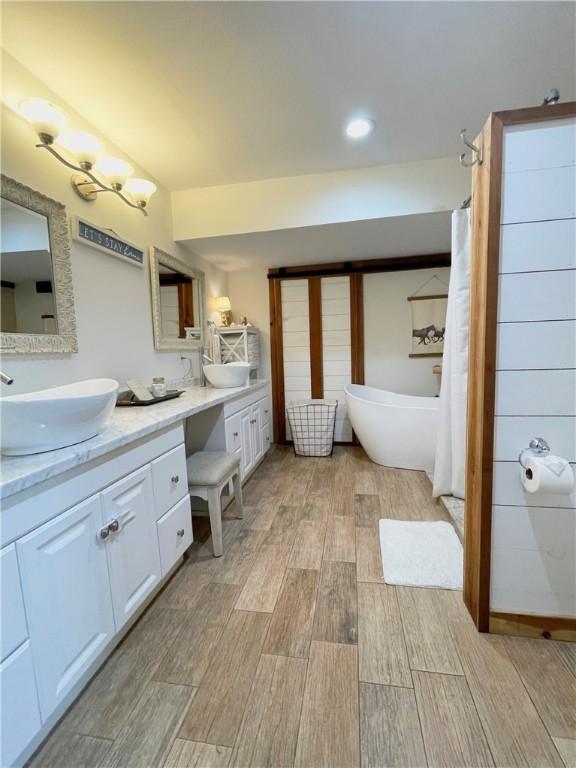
(359, 127)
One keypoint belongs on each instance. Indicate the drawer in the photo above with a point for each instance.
(14, 629)
(240, 403)
(20, 713)
(174, 534)
(233, 441)
(169, 479)
(265, 410)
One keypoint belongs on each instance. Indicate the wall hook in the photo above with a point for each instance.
(477, 152)
(551, 96)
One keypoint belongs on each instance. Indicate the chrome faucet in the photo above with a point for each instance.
(5, 379)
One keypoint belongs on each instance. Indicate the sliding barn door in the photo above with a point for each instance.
(296, 342)
(337, 348)
(312, 323)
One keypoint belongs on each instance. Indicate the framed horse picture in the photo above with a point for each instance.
(428, 325)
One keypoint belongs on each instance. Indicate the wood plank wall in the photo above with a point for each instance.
(299, 326)
(534, 535)
(336, 349)
(492, 336)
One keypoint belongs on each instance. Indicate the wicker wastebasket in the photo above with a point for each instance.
(312, 424)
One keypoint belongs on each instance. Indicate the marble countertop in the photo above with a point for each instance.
(125, 426)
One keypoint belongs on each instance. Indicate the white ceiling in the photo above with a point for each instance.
(206, 93)
(349, 241)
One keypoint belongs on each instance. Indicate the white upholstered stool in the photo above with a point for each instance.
(208, 473)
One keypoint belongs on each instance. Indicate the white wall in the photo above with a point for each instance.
(8, 309)
(534, 534)
(23, 230)
(113, 312)
(248, 293)
(320, 198)
(30, 306)
(388, 332)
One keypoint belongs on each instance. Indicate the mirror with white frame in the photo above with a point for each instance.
(177, 302)
(37, 309)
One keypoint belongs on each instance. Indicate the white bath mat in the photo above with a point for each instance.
(421, 554)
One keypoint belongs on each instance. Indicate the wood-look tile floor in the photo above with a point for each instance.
(291, 651)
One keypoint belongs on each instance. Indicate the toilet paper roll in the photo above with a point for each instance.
(547, 474)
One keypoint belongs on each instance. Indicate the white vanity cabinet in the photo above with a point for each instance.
(67, 596)
(19, 704)
(14, 628)
(85, 548)
(248, 429)
(256, 434)
(75, 574)
(174, 534)
(266, 432)
(19, 710)
(246, 450)
(131, 541)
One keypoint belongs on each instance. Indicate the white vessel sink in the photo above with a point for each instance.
(226, 375)
(55, 418)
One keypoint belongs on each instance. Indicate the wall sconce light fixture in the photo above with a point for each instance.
(95, 172)
(223, 306)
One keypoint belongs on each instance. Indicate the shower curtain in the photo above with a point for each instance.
(450, 464)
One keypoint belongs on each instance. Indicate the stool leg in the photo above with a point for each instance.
(215, 512)
(238, 495)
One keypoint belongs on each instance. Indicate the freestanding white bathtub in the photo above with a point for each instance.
(394, 430)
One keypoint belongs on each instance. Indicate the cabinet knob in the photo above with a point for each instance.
(234, 434)
(175, 478)
(104, 532)
(180, 532)
(113, 526)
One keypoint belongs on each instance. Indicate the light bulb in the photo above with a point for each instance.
(357, 129)
(115, 170)
(46, 119)
(141, 190)
(85, 147)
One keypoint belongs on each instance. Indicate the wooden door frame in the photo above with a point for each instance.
(485, 210)
(355, 270)
(277, 362)
(315, 328)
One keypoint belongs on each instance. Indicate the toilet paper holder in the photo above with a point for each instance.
(537, 445)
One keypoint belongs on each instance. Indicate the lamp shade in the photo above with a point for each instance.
(223, 304)
(46, 119)
(115, 170)
(141, 190)
(85, 147)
